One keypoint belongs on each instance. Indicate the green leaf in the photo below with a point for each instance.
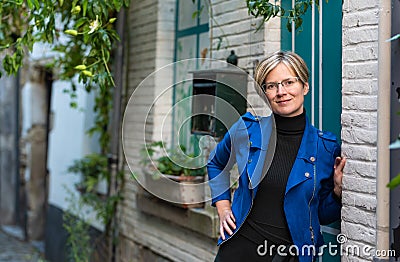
(117, 4)
(127, 3)
(73, 105)
(106, 38)
(80, 22)
(251, 4)
(298, 22)
(30, 4)
(289, 25)
(37, 4)
(394, 182)
(86, 38)
(104, 9)
(84, 7)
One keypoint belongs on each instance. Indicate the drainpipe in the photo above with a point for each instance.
(383, 121)
(113, 158)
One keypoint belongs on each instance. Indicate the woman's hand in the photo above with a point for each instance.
(340, 162)
(226, 218)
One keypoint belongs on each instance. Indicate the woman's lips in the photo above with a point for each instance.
(283, 102)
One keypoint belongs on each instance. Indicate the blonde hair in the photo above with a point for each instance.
(292, 60)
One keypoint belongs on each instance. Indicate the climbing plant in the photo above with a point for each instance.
(81, 35)
(269, 9)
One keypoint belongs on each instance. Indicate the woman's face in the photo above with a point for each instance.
(286, 101)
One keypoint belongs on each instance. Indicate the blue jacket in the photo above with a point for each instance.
(308, 201)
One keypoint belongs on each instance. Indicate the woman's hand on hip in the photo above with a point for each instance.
(340, 162)
(227, 220)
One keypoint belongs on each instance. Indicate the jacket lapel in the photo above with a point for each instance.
(263, 137)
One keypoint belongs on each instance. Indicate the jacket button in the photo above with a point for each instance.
(250, 143)
(249, 160)
(312, 159)
(321, 133)
(307, 174)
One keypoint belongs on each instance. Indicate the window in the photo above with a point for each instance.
(191, 41)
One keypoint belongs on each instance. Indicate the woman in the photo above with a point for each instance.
(276, 212)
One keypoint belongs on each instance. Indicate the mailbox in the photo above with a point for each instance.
(219, 99)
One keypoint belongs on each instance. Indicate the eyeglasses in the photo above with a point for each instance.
(272, 87)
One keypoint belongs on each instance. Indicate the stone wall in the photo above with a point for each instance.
(8, 150)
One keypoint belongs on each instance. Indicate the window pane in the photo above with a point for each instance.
(204, 51)
(186, 47)
(204, 12)
(186, 10)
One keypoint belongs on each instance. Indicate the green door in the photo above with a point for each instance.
(319, 42)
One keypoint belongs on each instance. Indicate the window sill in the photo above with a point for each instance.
(200, 220)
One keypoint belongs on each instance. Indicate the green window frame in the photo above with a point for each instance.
(191, 41)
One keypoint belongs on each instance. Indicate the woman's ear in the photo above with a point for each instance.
(306, 88)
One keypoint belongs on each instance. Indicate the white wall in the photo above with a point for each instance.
(67, 140)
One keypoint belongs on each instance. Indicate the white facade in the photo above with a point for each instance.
(68, 140)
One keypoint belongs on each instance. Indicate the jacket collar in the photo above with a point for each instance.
(308, 146)
(260, 128)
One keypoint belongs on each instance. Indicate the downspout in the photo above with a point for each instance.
(113, 158)
(383, 130)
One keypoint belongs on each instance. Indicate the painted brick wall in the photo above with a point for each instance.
(237, 29)
(359, 123)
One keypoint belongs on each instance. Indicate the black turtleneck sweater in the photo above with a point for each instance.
(267, 220)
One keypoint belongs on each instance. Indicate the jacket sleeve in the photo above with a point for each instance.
(329, 205)
(219, 165)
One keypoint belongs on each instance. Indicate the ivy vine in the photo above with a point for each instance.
(267, 10)
(82, 36)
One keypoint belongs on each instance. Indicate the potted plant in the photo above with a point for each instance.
(173, 175)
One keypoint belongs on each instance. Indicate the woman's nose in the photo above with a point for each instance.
(280, 90)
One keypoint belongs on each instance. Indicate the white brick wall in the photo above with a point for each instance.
(238, 32)
(359, 125)
(237, 29)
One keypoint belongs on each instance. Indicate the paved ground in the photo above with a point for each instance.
(14, 250)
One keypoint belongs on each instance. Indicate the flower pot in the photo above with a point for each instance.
(184, 191)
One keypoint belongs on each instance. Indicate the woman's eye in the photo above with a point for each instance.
(289, 82)
(270, 87)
